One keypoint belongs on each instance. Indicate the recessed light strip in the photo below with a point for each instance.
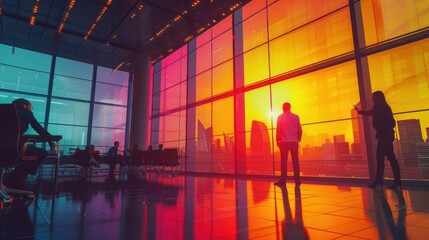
(66, 15)
(35, 10)
(100, 15)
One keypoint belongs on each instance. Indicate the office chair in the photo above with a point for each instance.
(10, 151)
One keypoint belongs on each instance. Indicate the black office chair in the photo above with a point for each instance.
(10, 151)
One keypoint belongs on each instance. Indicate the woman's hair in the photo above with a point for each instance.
(20, 102)
(378, 97)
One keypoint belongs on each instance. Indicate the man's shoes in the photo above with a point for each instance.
(280, 183)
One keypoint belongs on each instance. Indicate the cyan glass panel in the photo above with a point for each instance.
(108, 93)
(22, 79)
(107, 75)
(73, 136)
(105, 137)
(109, 116)
(72, 68)
(26, 59)
(70, 87)
(69, 112)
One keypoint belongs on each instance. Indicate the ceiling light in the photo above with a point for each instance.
(35, 10)
(66, 15)
(97, 19)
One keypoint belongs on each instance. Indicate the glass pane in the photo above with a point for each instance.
(69, 112)
(286, 15)
(172, 98)
(252, 7)
(204, 56)
(258, 131)
(387, 19)
(25, 80)
(223, 78)
(223, 132)
(73, 136)
(173, 74)
(70, 68)
(204, 85)
(222, 48)
(326, 38)
(255, 31)
(222, 26)
(22, 58)
(109, 116)
(70, 87)
(107, 93)
(117, 77)
(105, 137)
(256, 65)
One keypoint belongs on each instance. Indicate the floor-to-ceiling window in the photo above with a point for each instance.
(322, 56)
(84, 103)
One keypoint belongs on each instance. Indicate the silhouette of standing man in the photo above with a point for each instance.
(384, 124)
(289, 133)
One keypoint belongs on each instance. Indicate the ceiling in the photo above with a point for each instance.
(81, 30)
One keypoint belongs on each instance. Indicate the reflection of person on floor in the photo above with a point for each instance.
(114, 158)
(288, 136)
(26, 118)
(384, 124)
(293, 228)
(397, 229)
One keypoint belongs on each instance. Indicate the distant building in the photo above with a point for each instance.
(423, 159)
(409, 135)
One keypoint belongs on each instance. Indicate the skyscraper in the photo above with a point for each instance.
(409, 133)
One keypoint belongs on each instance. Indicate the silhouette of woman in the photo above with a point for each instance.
(384, 124)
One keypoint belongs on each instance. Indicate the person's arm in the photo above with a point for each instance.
(36, 125)
(363, 112)
(39, 129)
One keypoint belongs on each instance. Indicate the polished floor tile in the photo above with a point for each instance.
(191, 207)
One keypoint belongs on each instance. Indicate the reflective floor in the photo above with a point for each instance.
(187, 207)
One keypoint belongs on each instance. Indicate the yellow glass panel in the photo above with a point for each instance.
(386, 19)
(203, 85)
(255, 30)
(323, 39)
(223, 116)
(286, 15)
(258, 131)
(223, 78)
(256, 65)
